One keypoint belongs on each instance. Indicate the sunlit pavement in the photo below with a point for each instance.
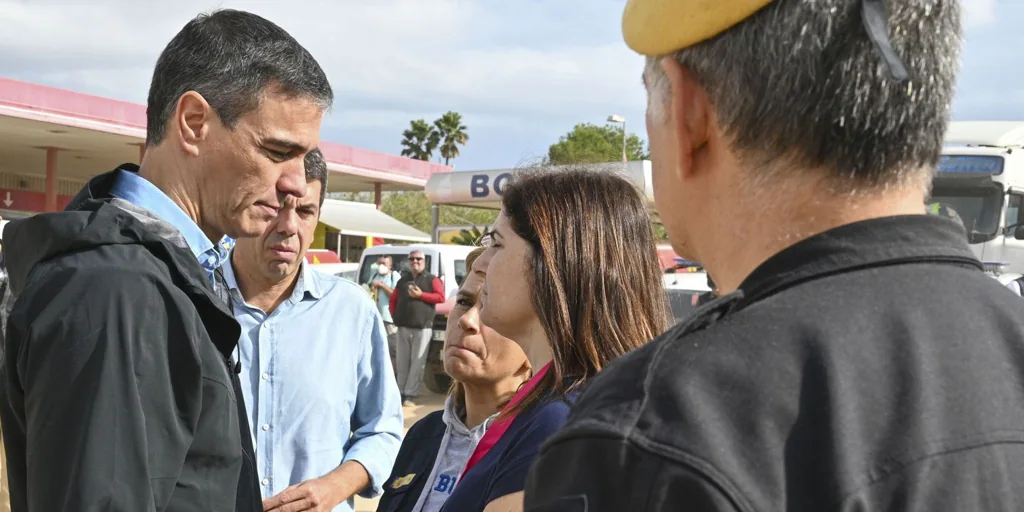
(425, 405)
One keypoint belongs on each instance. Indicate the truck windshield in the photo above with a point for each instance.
(976, 208)
(399, 262)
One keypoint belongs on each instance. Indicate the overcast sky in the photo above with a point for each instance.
(521, 72)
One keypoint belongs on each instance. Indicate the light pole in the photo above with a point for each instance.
(615, 118)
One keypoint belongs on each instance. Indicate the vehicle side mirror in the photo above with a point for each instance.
(1018, 232)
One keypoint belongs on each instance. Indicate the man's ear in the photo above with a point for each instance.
(192, 119)
(690, 110)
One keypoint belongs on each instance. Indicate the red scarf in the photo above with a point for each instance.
(499, 427)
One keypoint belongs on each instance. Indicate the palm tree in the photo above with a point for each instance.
(467, 236)
(452, 134)
(420, 140)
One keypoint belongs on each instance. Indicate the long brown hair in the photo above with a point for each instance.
(594, 272)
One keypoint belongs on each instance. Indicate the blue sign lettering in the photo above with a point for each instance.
(971, 164)
(499, 183)
(478, 186)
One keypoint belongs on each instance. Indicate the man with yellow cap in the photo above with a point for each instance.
(858, 358)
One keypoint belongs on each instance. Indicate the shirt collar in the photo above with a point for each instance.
(137, 190)
(308, 285)
(309, 282)
(869, 243)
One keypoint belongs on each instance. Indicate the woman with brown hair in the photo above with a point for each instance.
(574, 279)
(487, 369)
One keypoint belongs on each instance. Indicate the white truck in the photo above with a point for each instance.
(980, 183)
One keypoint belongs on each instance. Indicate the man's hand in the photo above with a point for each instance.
(375, 284)
(415, 291)
(316, 495)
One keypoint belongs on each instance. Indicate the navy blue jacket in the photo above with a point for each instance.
(413, 464)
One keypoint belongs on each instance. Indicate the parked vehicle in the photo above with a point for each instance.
(980, 183)
(328, 262)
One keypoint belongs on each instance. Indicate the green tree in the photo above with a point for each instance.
(452, 134)
(413, 208)
(420, 140)
(660, 235)
(594, 144)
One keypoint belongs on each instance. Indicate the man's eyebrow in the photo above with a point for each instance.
(287, 144)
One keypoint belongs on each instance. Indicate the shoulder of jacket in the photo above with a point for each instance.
(428, 426)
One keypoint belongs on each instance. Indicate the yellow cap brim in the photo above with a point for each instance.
(659, 27)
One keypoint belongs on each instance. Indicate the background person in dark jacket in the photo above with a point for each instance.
(487, 369)
(412, 309)
(118, 392)
(859, 358)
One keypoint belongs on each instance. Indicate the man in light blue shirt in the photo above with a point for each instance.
(325, 412)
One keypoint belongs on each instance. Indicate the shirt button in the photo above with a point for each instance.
(266, 426)
(266, 481)
(265, 376)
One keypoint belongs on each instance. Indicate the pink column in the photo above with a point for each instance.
(51, 179)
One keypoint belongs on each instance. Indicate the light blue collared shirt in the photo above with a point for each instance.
(318, 384)
(137, 190)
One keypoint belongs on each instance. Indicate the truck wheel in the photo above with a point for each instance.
(436, 380)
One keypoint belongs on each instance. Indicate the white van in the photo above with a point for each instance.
(448, 263)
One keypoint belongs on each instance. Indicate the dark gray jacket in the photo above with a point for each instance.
(116, 387)
(873, 367)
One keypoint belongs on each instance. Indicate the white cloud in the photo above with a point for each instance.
(979, 12)
(405, 56)
(521, 73)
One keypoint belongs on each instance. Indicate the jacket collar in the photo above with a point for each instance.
(870, 243)
(186, 272)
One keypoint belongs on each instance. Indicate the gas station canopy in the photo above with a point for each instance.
(52, 141)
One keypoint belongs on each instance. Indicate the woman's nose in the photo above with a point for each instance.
(470, 321)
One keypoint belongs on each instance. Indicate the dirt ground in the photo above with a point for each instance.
(427, 404)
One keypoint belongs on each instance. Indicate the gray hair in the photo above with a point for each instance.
(230, 57)
(316, 170)
(799, 83)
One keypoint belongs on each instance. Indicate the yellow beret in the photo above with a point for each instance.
(658, 27)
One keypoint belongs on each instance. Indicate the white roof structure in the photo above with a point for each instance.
(1002, 134)
(364, 219)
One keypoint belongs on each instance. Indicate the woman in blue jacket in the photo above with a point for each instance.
(487, 369)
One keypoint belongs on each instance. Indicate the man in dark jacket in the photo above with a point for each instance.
(118, 388)
(859, 358)
(412, 306)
